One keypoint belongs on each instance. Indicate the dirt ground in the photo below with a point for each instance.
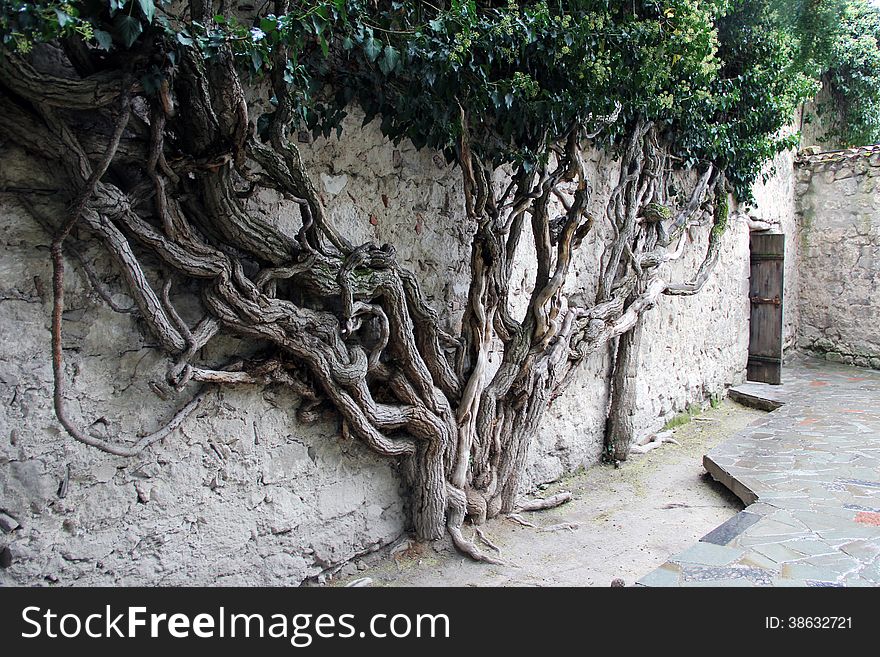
(625, 522)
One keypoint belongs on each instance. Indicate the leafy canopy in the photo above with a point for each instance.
(721, 78)
(854, 75)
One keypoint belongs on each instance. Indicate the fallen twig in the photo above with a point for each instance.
(653, 441)
(543, 504)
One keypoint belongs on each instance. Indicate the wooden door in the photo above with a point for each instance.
(765, 292)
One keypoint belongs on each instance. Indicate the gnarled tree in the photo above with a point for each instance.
(161, 151)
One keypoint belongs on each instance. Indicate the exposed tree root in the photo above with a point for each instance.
(469, 549)
(518, 519)
(543, 504)
(653, 441)
(479, 533)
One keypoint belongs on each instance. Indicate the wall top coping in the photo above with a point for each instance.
(809, 157)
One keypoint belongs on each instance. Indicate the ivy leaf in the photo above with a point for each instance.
(152, 81)
(104, 39)
(263, 123)
(389, 60)
(148, 8)
(128, 28)
(184, 39)
(372, 49)
(63, 18)
(318, 24)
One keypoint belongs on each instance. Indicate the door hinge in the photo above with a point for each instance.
(776, 301)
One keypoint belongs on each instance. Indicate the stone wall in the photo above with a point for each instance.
(242, 493)
(838, 193)
(694, 347)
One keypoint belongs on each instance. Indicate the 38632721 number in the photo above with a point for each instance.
(808, 622)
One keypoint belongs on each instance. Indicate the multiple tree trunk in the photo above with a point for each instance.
(347, 326)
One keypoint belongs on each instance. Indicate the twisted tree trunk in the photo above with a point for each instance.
(620, 429)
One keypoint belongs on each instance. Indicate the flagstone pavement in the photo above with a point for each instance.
(809, 473)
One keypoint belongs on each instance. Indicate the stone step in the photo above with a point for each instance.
(762, 396)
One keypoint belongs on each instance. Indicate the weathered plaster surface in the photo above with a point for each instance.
(243, 493)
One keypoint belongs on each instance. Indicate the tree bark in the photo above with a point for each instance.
(620, 427)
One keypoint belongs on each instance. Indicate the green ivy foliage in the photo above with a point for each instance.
(721, 78)
(24, 23)
(519, 76)
(854, 76)
(741, 126)
(106, 23)
(814, 26)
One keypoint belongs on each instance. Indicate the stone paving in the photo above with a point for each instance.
(809, 473)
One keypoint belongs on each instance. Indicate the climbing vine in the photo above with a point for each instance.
(153, 122)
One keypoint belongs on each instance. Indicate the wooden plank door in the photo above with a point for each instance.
(765, 292)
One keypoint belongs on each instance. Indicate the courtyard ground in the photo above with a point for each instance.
(622, 523)
(810, 473)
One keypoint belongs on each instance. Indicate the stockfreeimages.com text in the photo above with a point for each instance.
(299, 629)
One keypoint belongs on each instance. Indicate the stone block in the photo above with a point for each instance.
(823, 344)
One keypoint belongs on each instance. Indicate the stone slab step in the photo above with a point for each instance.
(762, 396)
